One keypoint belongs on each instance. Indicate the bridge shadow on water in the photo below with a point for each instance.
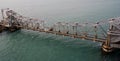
(114, 56)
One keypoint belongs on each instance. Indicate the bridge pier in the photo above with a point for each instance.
(14, 28)
(1, 28)
(106, 47)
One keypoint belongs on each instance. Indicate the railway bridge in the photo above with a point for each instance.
(105, 31)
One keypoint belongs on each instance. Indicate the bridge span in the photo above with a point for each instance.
(105, 31)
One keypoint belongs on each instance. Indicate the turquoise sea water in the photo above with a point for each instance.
(26, 45)
(34, 46)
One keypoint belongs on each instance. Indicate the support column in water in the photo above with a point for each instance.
(106, 45)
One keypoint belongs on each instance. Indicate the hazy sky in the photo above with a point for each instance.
(50, 3)
(39, 8)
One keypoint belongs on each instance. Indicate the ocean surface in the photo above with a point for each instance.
(26, 45)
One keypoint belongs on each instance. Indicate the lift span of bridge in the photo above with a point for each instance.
(106, 31)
